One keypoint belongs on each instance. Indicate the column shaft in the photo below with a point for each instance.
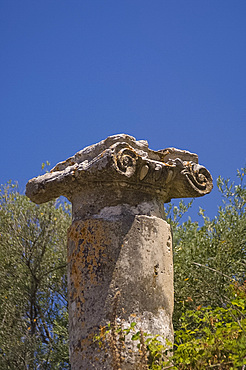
(132, 255)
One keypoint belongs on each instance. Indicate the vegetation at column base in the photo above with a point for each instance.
(207, 338)
(209, 272)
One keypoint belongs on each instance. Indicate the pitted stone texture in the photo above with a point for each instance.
(120, 161)
(132, 255)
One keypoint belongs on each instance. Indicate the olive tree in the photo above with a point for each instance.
(33, 303)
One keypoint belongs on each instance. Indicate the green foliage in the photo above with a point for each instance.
(208, 258)
(210, 291)
(33, 318)
(210, 338)
(210, 263)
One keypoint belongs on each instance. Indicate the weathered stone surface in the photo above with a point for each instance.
(125, 162)
(129, 255)
(119, 241)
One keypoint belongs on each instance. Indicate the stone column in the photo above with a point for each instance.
(119, 245)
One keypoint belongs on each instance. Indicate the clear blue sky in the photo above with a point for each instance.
(169, 71)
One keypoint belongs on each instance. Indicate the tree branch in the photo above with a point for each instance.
(210, 268)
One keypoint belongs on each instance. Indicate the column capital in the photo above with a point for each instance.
(122, 162)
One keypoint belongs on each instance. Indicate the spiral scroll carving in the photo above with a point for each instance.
(122, 162)
(126, 160)
(199, 178)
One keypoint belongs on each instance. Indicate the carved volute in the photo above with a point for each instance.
(120, 162)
